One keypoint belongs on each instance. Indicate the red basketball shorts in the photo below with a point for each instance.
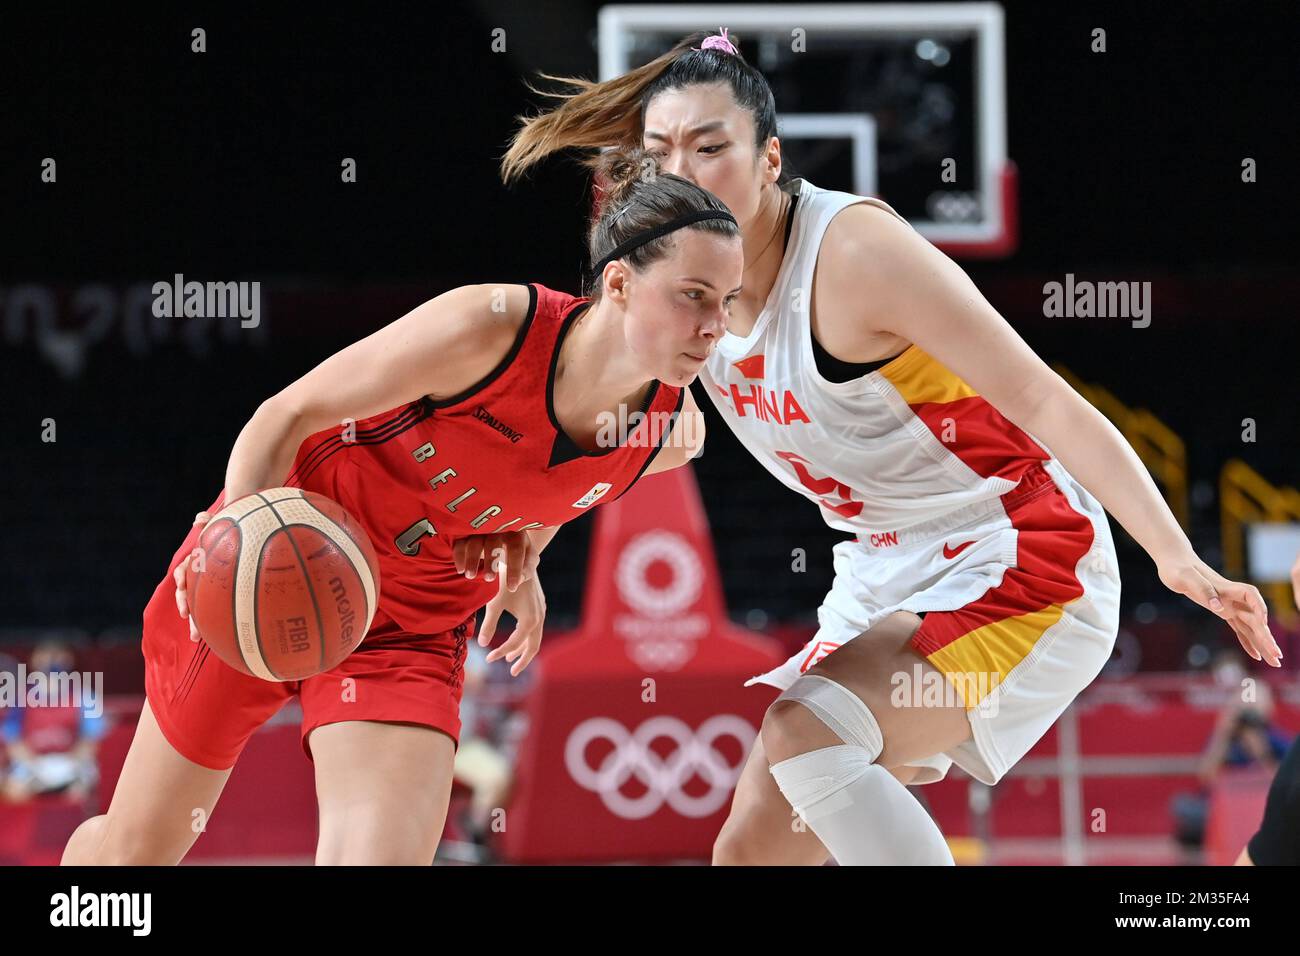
(207, 710)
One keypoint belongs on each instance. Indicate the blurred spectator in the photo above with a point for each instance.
(481, 764)
(51, 748)
(1243, 736)
(9, 668)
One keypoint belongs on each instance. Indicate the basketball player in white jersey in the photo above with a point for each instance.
(865, 371)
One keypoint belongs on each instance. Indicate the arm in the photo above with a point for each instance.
(912, 290)
(91, 731)
(1216, 750)
(13, 737)
(542, 537)
(440, 348)
(1257, 744)
(516, 552)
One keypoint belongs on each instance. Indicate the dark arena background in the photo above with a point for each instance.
(346, 161)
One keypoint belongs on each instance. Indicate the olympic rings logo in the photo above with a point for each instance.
(694, 755)
(636, 589)
(661, 655)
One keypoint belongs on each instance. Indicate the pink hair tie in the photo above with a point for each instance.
(719, 43)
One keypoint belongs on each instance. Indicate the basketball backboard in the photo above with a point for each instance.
(902, 101)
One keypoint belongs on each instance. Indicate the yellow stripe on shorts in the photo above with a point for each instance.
(979, 660)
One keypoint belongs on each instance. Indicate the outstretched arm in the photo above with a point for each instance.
(440, 348)
(911, 289)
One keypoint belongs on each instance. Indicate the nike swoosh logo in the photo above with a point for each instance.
(953, 552)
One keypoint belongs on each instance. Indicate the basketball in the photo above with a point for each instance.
(284, 584)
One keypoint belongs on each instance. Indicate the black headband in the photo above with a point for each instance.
(641, 238)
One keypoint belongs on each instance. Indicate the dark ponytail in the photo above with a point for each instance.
(612, 112)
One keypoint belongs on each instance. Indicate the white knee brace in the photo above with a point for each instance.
(839, 709)
(859, 811)
(810, 780)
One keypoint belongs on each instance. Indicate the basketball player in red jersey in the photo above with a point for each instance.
(866, 372)
(479, 413)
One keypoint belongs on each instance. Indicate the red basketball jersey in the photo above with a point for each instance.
(492, 458)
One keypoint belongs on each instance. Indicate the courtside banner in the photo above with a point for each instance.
(639, 724)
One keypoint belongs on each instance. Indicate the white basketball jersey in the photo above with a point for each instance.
(907, 443)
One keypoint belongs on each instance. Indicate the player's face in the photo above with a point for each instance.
(700, 134)
(677, 307)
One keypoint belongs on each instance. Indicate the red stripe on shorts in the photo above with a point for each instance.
(1053, 539)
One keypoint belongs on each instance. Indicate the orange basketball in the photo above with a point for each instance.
(284, 584)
